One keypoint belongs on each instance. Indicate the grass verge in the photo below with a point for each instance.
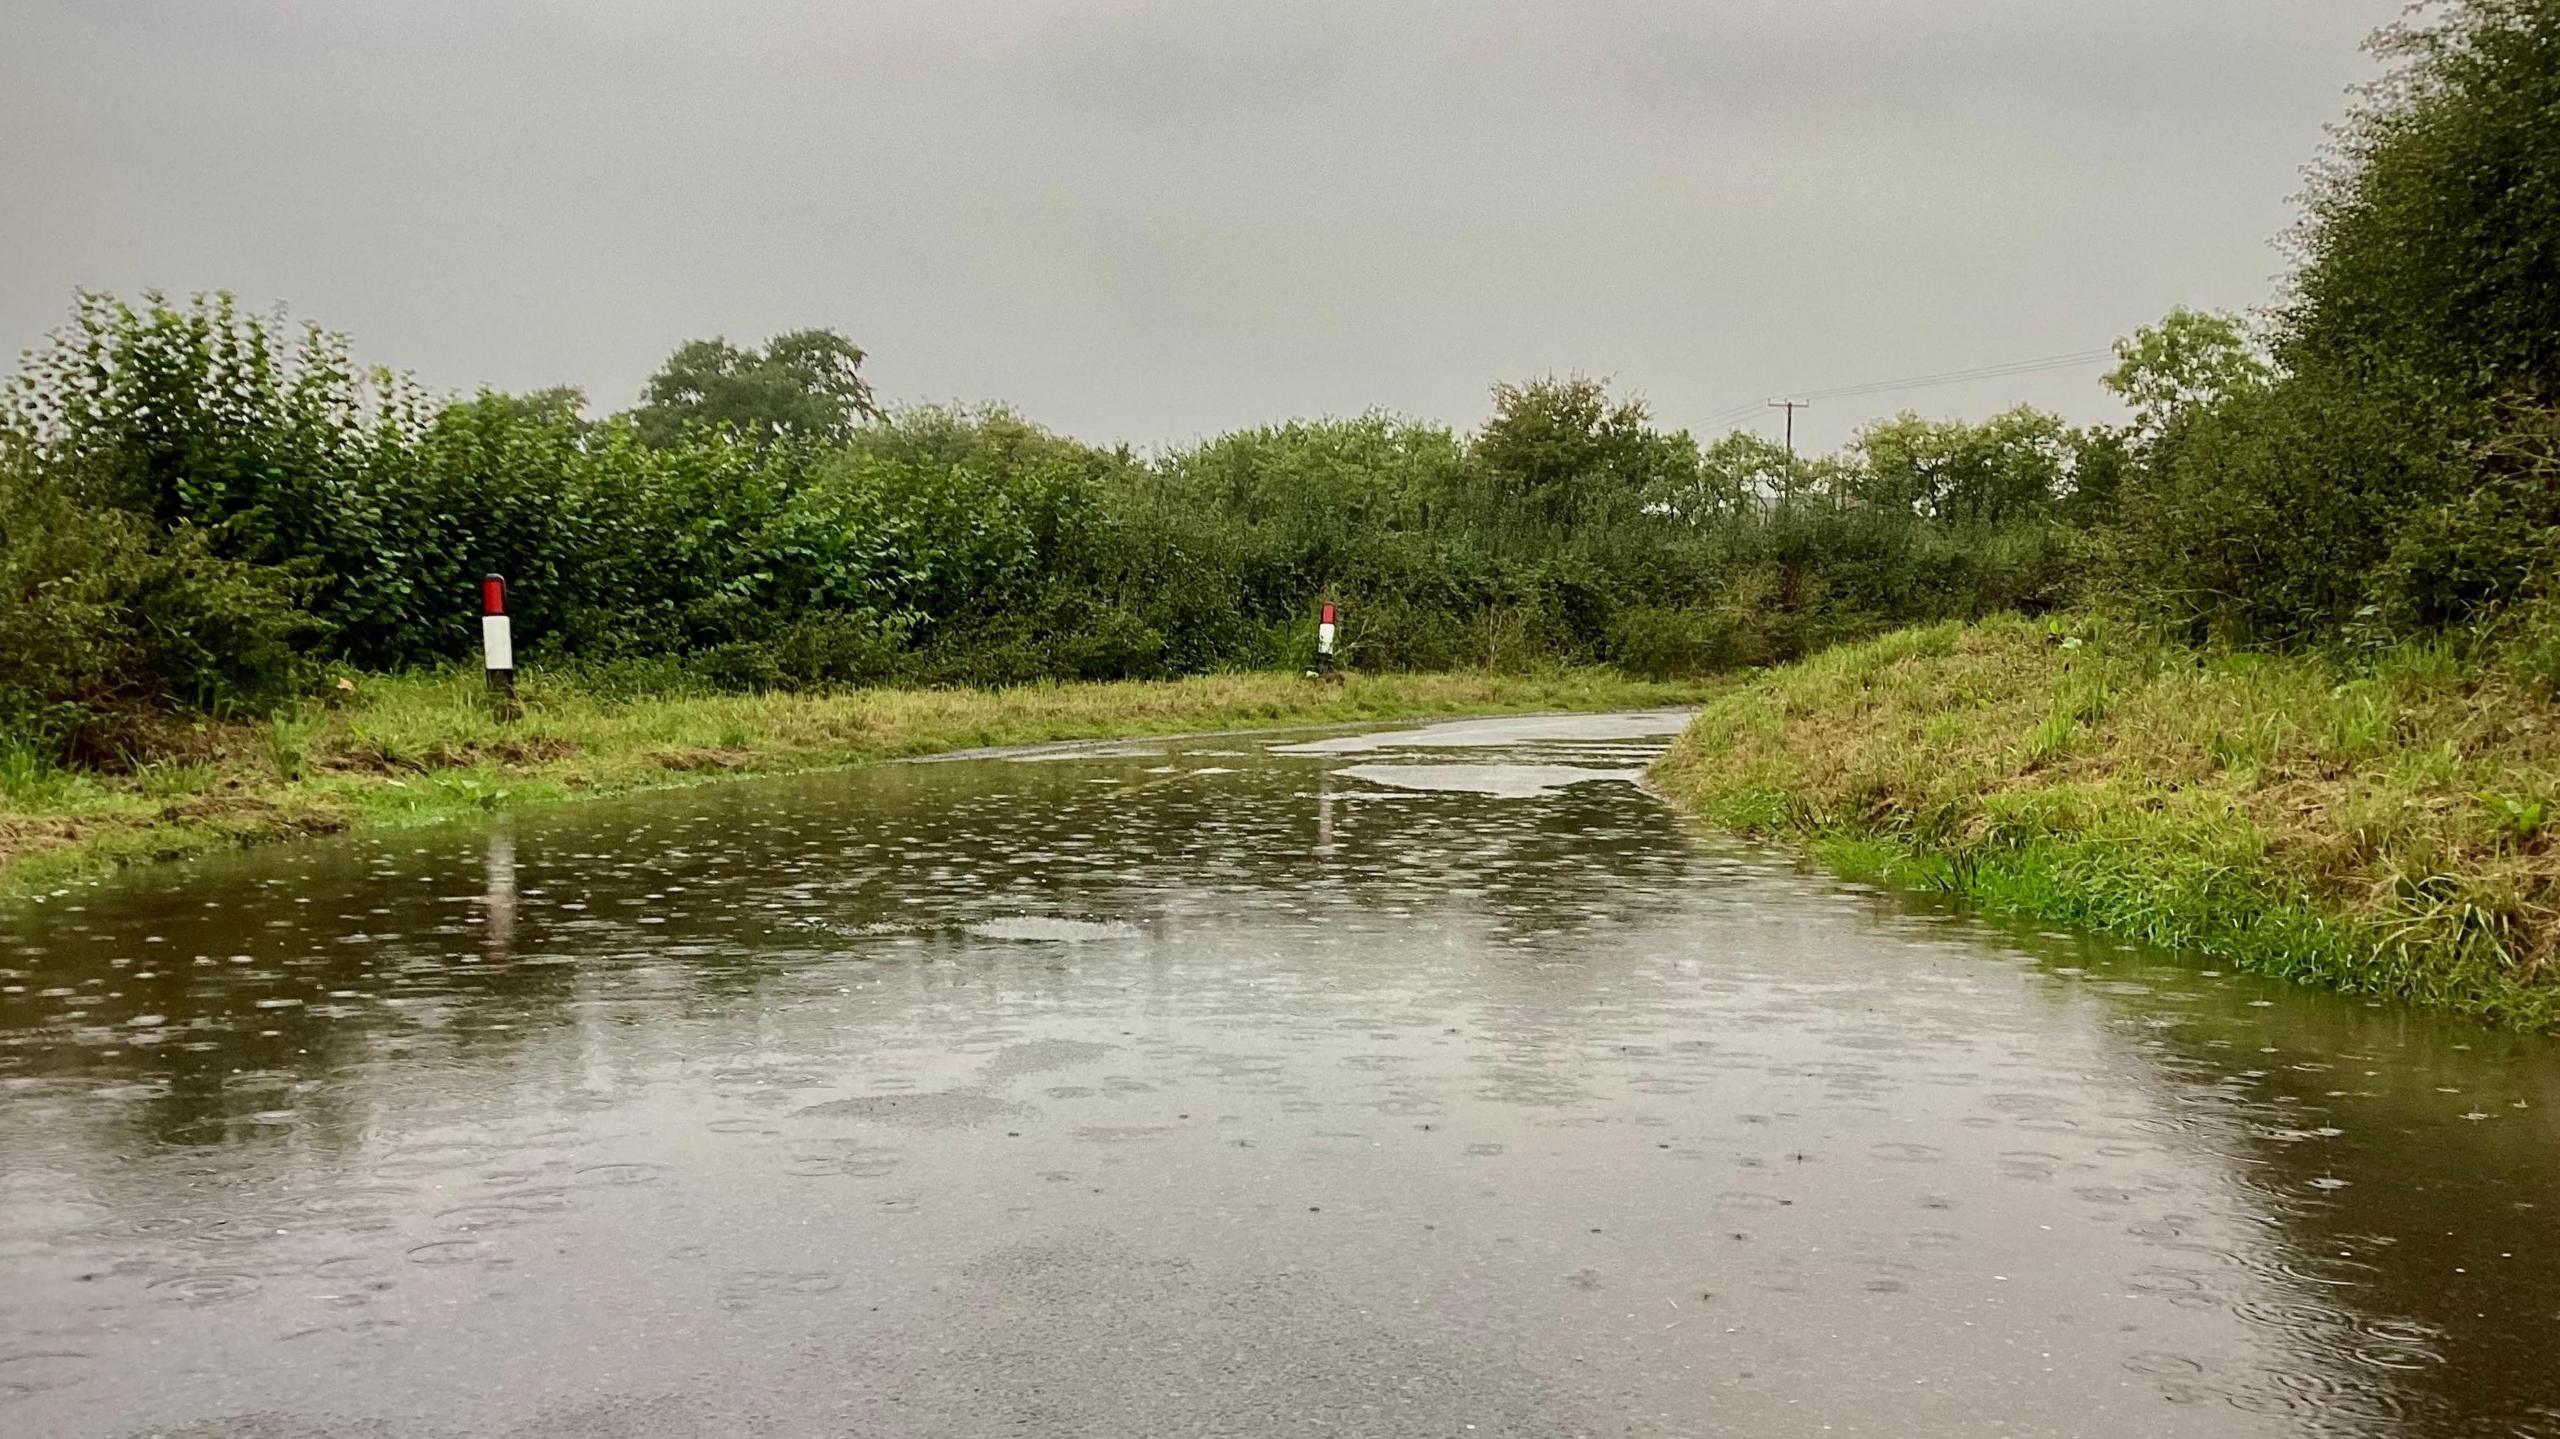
(2384, 828)
(406, 749)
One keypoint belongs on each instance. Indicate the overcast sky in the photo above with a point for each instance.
(1149, 221)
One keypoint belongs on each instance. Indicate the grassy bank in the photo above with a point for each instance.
(408, 749)
(2384, 829)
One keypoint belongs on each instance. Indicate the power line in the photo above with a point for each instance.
(1916, 382)
(1952, 377)
(1734, 415)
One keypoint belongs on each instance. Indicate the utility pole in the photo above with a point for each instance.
(1791, 406)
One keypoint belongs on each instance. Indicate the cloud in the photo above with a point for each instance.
(1149, 220)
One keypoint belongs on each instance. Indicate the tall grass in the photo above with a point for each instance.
(2377, 826)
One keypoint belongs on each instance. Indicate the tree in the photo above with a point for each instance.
(2355, 472)
(2190, 359)
(2431, 243)
(1322, 476)
(1741, 473)
(1565, 453)
(553, 404)
(2008, 467)
(804, 385)
(2100, 458)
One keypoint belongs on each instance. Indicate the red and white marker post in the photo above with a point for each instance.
(498, 644)
(1324, 641)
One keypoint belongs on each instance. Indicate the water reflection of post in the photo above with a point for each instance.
(498, 935)
(1324, 811)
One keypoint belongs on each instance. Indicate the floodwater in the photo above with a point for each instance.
(1434, 1082)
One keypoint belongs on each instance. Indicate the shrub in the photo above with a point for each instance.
(2431, 244)
(2265, 517)
(217, 462)
(1667, 643)
(107, 624)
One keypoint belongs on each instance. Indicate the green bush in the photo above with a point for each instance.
(2265, 516)
(2432, 240)
(2466, 558)
(1667, 643)
(2383, 469)
(108, 625)
(227, 461)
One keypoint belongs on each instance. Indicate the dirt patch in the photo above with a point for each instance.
(243, 819)
(539, 749)
(22, 837)
(371, 757)
(174, 831)
(513, 750)
(693, 759)
(364, 757)
(237, 811)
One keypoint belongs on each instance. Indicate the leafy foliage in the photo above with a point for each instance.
(107, 624)
(1563, 453)
(806, 385)
(756, 524)
(2189, 361)
(2011, 467)
(2432, 239)
(2385, 468)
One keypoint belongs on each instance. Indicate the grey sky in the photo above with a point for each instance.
(1147, 221)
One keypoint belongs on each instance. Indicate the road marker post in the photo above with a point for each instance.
(1324, 641)
(498, 645)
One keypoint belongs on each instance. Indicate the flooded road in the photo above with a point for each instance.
(1433, 1082)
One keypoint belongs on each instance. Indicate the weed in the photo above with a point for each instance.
(286, 753)
(2520, 819)
(2051, 738)
(172, 780)
(29, 780)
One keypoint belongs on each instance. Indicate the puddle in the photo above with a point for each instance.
(1194, 1086)
(1501, 781)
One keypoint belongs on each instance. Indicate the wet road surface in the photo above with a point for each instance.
(1432, 1082)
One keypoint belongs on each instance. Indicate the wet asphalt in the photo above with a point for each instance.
(1432, 1081)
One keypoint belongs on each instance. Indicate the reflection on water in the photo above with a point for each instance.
(1376, 1084)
